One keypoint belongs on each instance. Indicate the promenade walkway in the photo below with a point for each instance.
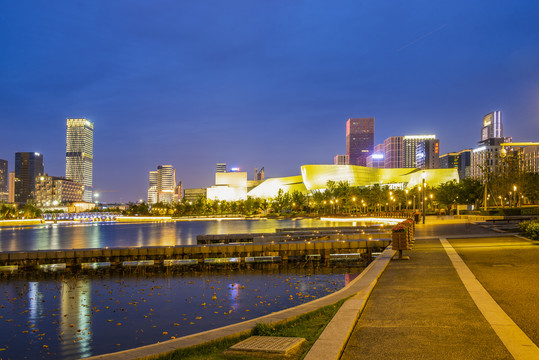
(421, 309)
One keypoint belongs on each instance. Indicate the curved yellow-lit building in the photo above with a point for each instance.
(315, 177)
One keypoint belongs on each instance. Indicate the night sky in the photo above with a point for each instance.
(257, 83)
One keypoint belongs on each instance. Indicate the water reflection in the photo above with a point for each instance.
(84, 236)
(68, 316)
(75, 326)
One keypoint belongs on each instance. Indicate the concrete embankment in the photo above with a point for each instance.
(293, 251)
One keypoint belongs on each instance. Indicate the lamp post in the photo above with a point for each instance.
(406, 192)
(424, 195)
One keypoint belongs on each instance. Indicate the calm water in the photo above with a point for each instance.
(56, 237)
(69, 317)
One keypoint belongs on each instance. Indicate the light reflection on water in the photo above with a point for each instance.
(85, 236)
(73, 316)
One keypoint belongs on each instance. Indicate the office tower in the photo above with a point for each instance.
(4, 177)
(486, 157)
(11, 191)
(28, 165)
(341, 160)
(492, 127)
(55, 191)
(166, 182)
(220, 167)
(359, 140)
(152, 188)
(393, 152)
(428, 154)
(409, 143)
(80, 154)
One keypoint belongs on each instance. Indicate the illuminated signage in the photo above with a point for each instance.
(436, 148)
(377, 156)
(235, 169)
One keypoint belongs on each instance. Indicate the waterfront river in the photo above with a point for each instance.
(85, 236)
(70, 316)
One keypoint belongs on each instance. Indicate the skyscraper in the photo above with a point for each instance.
(393, 152)
(28, 165)
(4, 175)
(428, 154)
(80, 154)
(409, 144)
(166, 183)
(492, 127)
(341, 160)
(359, 140)
(152, 188)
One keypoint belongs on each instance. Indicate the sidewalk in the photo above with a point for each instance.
(420, 309)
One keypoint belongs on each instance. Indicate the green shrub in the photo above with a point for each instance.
(530, 229)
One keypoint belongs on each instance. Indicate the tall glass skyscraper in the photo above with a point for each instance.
(80, 154)
(28, 165)
(359, 140)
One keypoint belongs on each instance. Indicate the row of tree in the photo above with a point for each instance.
(337, 198)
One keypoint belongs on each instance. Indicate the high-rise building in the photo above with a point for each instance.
(11, 189)
(54, 191)
(28, 165)
(428, 154)
(359, 140)
(220, 167)
(341, 160)
(393, 152)
(152, 188)
(486, 158)
(4, 177)
(459, 161)
(166, 182)
(80, 154)
(376, 159)
(409, 143)
(492, 127)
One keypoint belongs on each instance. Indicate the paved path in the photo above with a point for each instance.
(420, 309)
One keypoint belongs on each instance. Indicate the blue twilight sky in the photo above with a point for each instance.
(257, 83)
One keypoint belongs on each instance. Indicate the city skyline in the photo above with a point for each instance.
(269, 84)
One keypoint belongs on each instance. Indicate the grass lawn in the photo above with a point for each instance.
(308, 326)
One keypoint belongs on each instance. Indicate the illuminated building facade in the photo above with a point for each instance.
(409, 143)
(376, 159)
(428, 154)
(393, 152)
(229, 186)
(315, 178)
(4, 177)
(341, 160)
(28, 165)
(152, 187)
(486, 158)
(80, 154)
(54, 191)
(492, 127)
(166, 183)
(192, 195)
(359, 140)
(11, 189)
